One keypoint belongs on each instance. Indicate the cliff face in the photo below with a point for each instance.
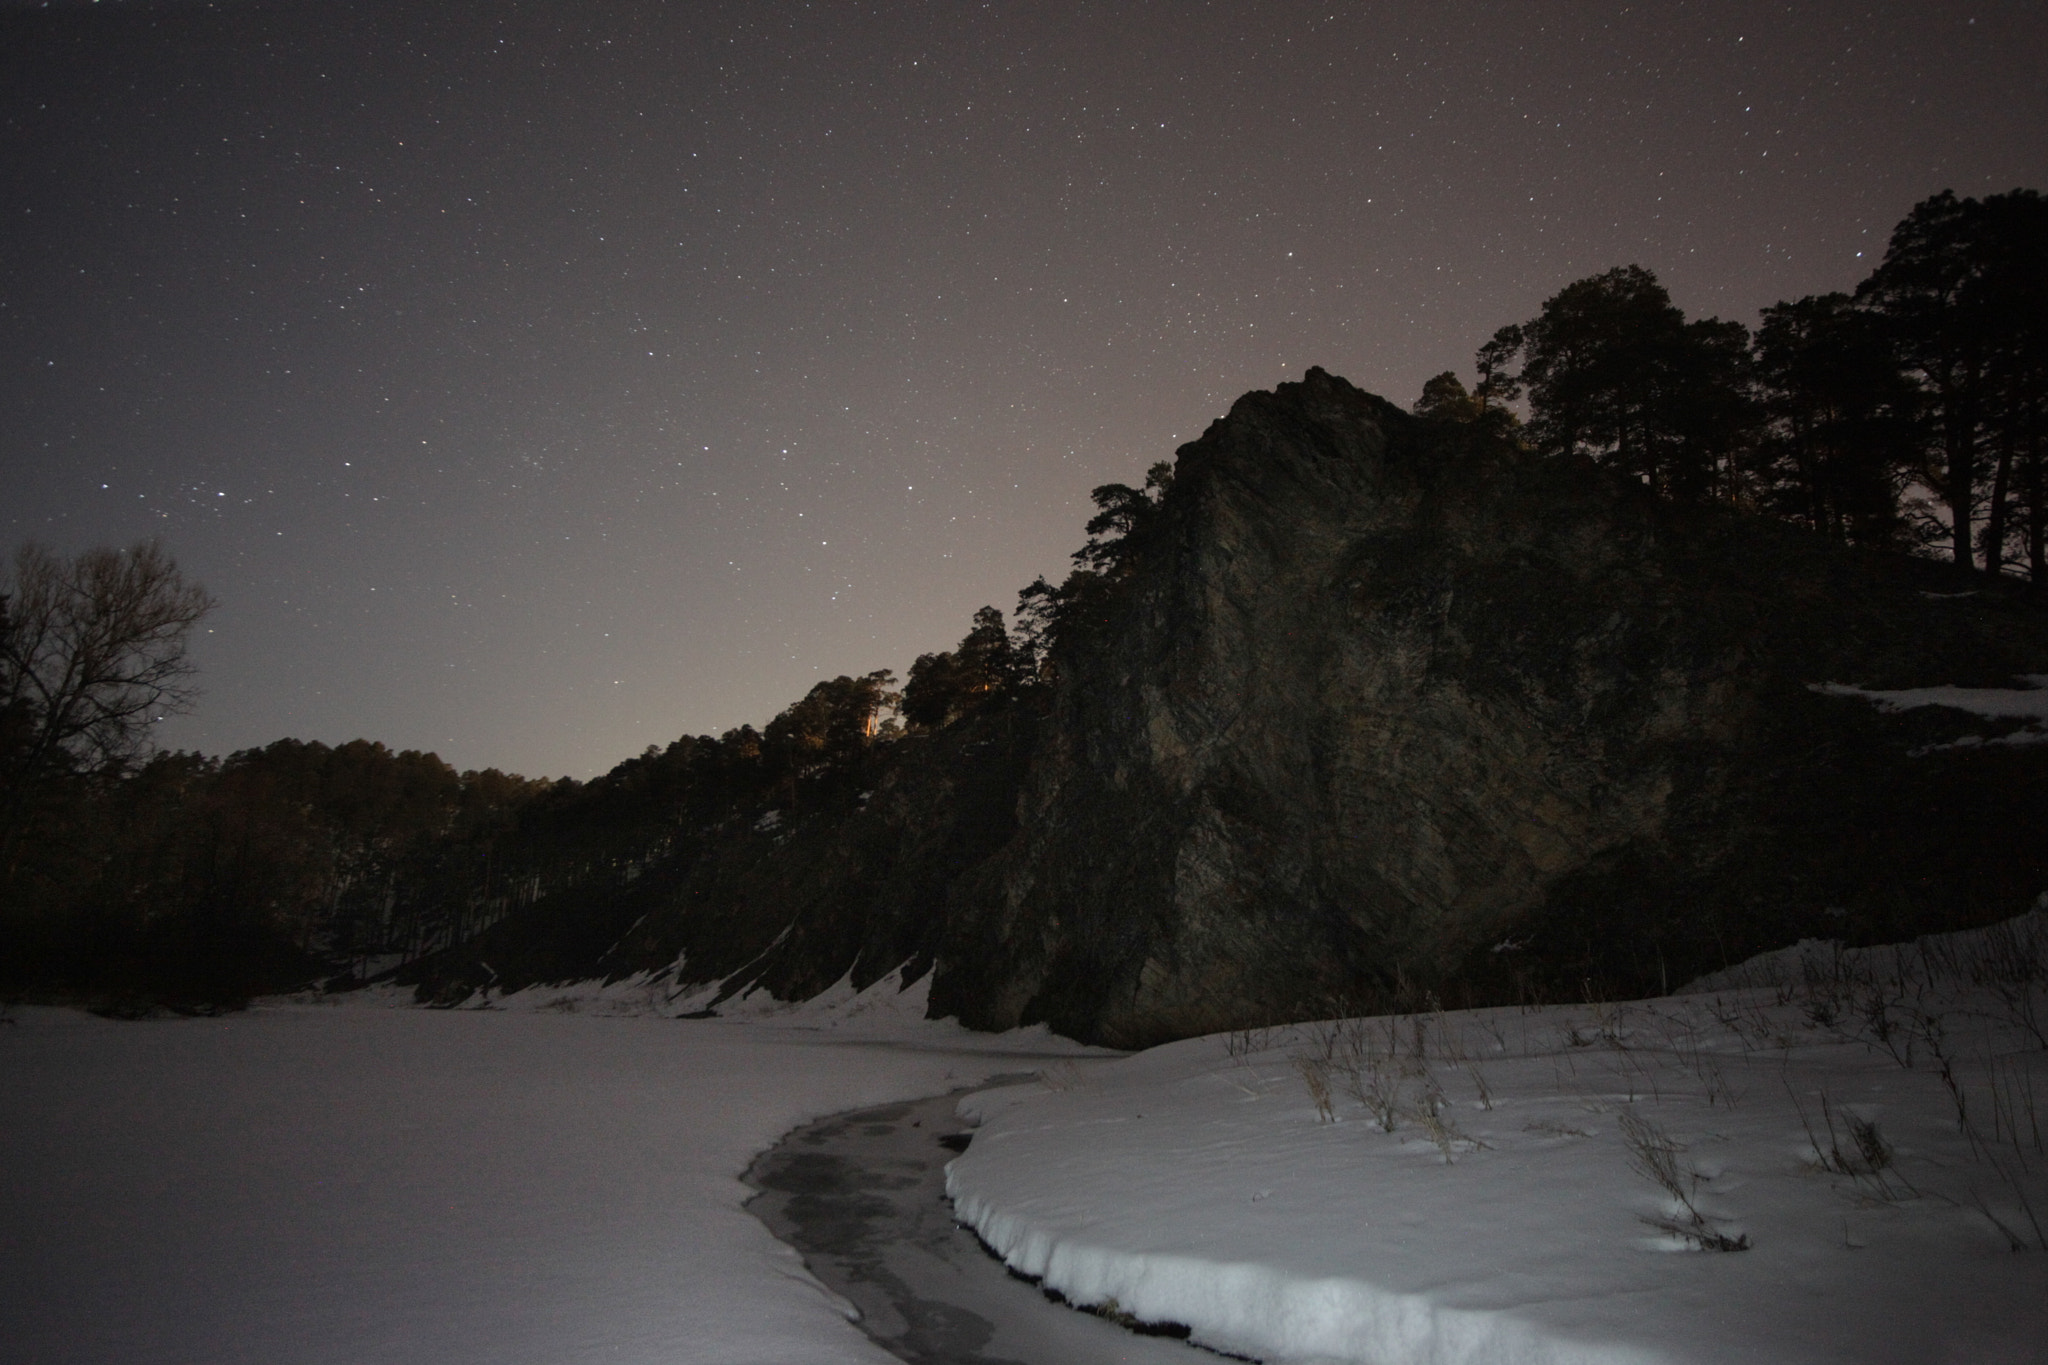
(1381, 697)
(1382, 708)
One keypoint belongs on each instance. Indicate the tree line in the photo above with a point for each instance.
(137, 878)
(1907, 414)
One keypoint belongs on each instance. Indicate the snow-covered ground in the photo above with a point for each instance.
(552, 1181)
(1821, 1156)
(1824, 1156)
(2028, 704)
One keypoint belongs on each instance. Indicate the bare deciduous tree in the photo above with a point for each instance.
(92, 652)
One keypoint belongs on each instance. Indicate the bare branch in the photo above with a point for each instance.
(93, 651)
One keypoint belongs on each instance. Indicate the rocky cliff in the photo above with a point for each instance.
(1384, 707)
(1383, 696)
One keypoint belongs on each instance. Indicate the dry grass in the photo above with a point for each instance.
(1654, 1156)
(1315, 1074)
(1966, 1014)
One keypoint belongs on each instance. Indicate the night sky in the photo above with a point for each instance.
(532, 383)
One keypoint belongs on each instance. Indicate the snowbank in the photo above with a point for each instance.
(886, 1006)
(2029, 703)
(1834, 1166)
(1932, 962)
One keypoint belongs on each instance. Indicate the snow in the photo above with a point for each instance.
(1511, 1215)
(553, 1179)
(2029, 703)
(886, 1005)
(553, 1175)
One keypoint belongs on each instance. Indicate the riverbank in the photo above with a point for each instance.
(1830, 1157)
(1825, 1157)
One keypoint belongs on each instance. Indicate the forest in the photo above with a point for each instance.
(1907, 415)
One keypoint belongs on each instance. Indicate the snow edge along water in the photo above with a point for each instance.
(1261, 1313)
(1130, 1200)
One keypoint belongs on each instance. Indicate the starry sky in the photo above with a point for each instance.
(534, 382)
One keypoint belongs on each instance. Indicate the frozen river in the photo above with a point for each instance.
(320, 1184)
(559, 1179)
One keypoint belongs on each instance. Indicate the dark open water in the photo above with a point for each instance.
(863, 1196)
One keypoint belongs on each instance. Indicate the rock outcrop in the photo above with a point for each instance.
(1385, 707)
(1382, 696)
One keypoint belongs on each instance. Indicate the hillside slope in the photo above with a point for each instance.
(1381, 707)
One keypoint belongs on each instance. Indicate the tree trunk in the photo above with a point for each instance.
(1962, 481)
(2037, 515)
(1994, 521)
(1960, 437)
